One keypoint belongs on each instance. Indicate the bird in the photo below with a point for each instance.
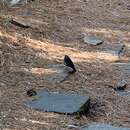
(31, 92)
(68, 62)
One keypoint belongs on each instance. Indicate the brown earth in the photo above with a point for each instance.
(56, 29)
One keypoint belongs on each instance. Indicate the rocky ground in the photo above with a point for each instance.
(56, 28)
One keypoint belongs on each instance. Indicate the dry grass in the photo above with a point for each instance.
(56, 30)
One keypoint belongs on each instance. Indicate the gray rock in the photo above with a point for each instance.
(100, 126)
(2, 84)
(124, 93)
(25, 13)
(128, 69)
(117, 49)
(27, 23)
(19, 23)
(61, 73)
(73, 126)
(120, 86)
(14, 2)
(59, 102)
(92, 40)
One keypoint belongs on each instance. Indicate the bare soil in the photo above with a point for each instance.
(56, 29)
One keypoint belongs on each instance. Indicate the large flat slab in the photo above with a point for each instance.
(59, 102)
(100, 126)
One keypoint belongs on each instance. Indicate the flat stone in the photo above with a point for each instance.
(2, 84)
(27, 23)
(100, 126)
(25, 13)
(128, 70)
(59, 102)
(120, 85)
(14, 2)
(124, 93)
(73, 126)
(92, 40)
(19, 23)
(61, 73)
(116, 49)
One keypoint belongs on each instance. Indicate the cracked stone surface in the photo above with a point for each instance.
(50, 102)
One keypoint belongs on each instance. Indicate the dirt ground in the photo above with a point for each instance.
(56, 29)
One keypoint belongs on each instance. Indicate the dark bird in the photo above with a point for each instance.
(68, 62)
(31, 92)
